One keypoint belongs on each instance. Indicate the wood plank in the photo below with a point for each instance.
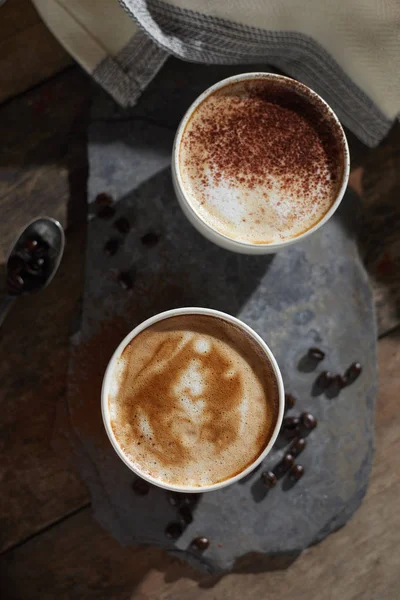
(77, 559)
(35, 163)
(29, 53)
(44, 170)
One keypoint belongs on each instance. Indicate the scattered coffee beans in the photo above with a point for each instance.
(308, 420)
(200, 543)
(297, 446)
(296, 472)
(269, 479)
(316, 354)
(290, 401)
(353, 372)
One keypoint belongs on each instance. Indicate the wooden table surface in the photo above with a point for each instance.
(51, 545)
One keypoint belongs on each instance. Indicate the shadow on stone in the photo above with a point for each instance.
(307, 364)
(250, 475)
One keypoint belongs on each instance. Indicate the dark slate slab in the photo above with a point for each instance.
(314, 293)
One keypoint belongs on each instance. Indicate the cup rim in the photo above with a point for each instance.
(225, 240)
(107, 380)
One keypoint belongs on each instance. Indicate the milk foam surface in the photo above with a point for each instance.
(194, 400)
(256, 165)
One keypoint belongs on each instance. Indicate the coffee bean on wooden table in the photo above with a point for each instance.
(111, 247)
(200, 543)
(353, 372)
(316, 354)
(173, 530)
(290, 401)
(140, 487)
(297, 446)
(122, 225)
(269, 479)
(296, 472)
(308, 421)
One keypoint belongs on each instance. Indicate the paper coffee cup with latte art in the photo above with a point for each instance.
(192, 400)
(260, 161)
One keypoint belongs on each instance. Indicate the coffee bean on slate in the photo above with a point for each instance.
(173, 530)
(200, 543)
(35, 266)
(269, 479)
(353, 372)
(297, 446)
(111, 247)
(15, 264)
(150, 239)
(125, 280)
(285, 464)
(290, 401)
(308, 420)
(296, 472)
(106, 212)
(174, 498)
(186, 514)
(15, 283)
(290, 423)
(316, 354)
(122, 225)
(104, 199)
(140, 487)
(189, 499)
(324, 380)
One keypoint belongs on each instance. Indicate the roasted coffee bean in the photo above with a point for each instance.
(290, 401)
(35, 266)
(297, 446)
(31, 244)
(174, 498)
(308, 420)
(316, 354)
(122, 225)
(189, 499)
(15, 264)
(140, 487)
(186, 514)
(269, 479)
(107, 212)
(290, 423)
(125, 280)
(337, 383)
(296, 472)
(15, 283)
(324, 380)
(111, 247)
(150, 239)
(284, 465)
(173, 530)
(353, 372)
(104, 199)
(200, 543)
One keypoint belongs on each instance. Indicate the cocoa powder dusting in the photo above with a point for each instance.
(259, 132)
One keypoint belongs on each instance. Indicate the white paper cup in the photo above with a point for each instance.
(108, 377)
(215, 236)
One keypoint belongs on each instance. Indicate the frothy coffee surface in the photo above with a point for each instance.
(194, 400)
(261, 161)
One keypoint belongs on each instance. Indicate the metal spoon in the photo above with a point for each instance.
(33, 260)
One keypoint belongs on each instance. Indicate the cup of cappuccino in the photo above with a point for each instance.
(260, 161)
(192, 400)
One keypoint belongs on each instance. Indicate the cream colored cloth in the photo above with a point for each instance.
(347, 50)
